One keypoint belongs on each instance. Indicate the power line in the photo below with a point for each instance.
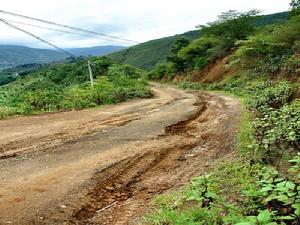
(59, 30)
(36, 37)
(70, 27)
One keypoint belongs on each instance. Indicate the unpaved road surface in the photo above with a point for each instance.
(105, 165)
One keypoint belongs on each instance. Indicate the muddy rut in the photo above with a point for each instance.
(108, 170)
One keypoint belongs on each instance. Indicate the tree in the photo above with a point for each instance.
(179, 43)
(295, 5)
(231, 26)
(178, 63)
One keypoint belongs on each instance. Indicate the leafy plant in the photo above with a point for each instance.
(264, 217)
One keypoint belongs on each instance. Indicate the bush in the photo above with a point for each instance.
(292, 65)
(7, 111)
(124, 70)
(199, 48)
(278, 131)
(274, 96)
(272, 50)
(42, 100)
(77, 98)
(161, 71)
(67, 87)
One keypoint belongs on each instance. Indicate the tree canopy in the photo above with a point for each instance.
(295, 4)
(231, 25)
(178, 63)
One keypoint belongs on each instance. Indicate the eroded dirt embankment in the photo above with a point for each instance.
(108, 175)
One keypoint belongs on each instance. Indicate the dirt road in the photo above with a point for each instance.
(105, 165)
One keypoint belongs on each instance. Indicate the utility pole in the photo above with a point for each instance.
(91, 73)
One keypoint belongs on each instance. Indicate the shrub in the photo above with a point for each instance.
(77, 98)
(292, 65)
(198, 48)
(42, 100)
(271, 51)
(124, 70)
(161, 71)
(67, 86)
(274, 96)
(7, 111)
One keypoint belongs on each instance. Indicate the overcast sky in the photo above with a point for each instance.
(139, 20)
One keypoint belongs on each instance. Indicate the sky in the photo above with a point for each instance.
(138, 20)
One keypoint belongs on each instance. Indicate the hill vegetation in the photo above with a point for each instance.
(66, 86)
(95, 51)
(11, 74)
(19, 61)
(261, 184)
(147, 55)
(152, 53)
(12, 56)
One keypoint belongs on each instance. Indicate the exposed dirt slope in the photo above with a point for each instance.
(214, 72)
(103, 166)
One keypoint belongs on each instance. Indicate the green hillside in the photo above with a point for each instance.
(11, 74)
(12, 56)
(149, 54)
(260, 183)
(16, 61)
(66, 86)
(275, 18)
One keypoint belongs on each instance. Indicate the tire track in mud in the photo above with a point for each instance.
(123, 181)
(122, 189)
(121, 192)
(46, 143)
(132, 182)
(43, 144)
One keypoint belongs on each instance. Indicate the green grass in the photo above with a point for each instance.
(246, 137)
(223, 203)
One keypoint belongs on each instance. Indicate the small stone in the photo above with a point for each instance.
(109, 188)
(118, 185)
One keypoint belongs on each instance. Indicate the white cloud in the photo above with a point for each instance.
(140, 20)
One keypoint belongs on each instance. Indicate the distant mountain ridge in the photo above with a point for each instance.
(95, 51)
(14, 55)
(147, 55)
(11, 55)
